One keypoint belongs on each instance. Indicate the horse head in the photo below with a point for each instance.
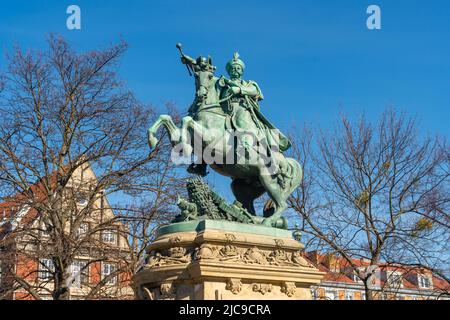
(203, 83)
(204, 78)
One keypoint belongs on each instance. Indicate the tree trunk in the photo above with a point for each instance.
(61, 289)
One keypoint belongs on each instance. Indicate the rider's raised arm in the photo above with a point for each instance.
(188, 60)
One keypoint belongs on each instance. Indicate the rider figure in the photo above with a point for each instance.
(244, 107)
(196, 65)
(199, 64)
(244, 98)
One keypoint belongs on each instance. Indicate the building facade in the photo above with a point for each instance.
(390, 282)
(98, 269)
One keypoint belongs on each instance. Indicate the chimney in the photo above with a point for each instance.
(332, 262)
(313, 256)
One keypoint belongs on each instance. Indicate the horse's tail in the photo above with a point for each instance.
(297, 173)
(294, 179)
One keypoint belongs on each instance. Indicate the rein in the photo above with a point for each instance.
(218, 102)
(212, 105)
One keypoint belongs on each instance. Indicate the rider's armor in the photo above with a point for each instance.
(232, 104)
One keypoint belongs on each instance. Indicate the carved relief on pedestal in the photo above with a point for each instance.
(299, 260)
(279, 258)
(255, 256)
(175, 239)
(262, 288)
(206, 251)
(230, 237)
(227, 252)
(288, 288)
(234, 285)
(154, 259)
(279, 242)
(145, 293)
(168, 291)
(174, 255)
(219, 253)
(178, 255)
(230, 253)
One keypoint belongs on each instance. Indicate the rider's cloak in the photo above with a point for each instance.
(273, 135)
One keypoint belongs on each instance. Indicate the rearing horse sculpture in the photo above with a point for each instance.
(208, 133)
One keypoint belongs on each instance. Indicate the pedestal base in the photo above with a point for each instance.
(215, 260)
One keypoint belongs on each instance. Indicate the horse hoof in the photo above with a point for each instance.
(187, 150)
(267, 222)
(152, 141)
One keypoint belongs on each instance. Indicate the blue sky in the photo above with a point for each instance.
(312, 59)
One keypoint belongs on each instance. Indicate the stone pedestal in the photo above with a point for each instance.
(215, 260)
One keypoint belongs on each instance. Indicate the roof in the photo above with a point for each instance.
(18, 209)
(340, 271)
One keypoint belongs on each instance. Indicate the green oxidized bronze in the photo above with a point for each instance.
(225, 117)
(203, 203)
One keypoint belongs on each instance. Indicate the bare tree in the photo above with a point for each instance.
(375, 191)
(60, 112)
(155, 199)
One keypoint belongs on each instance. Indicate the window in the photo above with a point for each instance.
(46, 229)
(331, 295)
(82, 198)
(314, 294)
(80, 273)
(46, 268)
(82, 230)
(424, 281)
(107, 269)
(109, 236)
(356, 278)
(363, 296)
(348, 295)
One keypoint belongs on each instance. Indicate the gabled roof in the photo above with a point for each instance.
(17, 209)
